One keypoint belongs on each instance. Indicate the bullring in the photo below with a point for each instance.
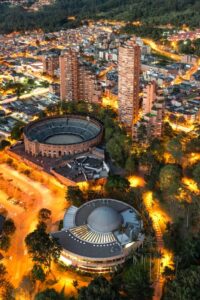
(63, 135)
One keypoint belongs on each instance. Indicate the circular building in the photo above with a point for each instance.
(100, 235)
(63, 135)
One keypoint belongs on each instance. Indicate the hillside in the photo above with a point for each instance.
(55, 16)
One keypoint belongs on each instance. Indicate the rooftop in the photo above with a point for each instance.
(104, 219)
(95, 229)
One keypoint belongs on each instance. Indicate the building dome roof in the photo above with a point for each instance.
(104, 219)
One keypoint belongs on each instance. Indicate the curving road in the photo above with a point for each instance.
(160, 50)
(17, 261)
(159, 219)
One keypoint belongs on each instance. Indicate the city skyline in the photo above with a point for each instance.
(99, 150)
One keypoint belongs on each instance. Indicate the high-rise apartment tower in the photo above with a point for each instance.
(128, 86)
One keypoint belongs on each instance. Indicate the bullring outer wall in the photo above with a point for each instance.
(36, 148)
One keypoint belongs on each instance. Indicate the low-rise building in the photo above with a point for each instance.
(100, 235)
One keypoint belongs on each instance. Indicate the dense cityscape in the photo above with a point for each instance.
(99, 151)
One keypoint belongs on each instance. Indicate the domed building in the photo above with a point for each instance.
(100, 235)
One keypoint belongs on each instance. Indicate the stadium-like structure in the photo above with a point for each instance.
(63, 135)
(100, 235)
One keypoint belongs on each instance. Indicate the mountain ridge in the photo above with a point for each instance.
(55, 17)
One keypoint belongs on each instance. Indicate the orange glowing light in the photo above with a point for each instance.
(166, 260)
(71, 18)
(191, 185)
(159, 219)
(110, 101)
(194, 158)
(159, 49)
(136, 181)
(83, 185)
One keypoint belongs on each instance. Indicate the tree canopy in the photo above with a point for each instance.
(74, 195)
(55, 16)
(170, 176)
(50, 294)
(174, 147)
(196, 174)
(42, 247)
(185, 286)
(99, 288)
(137, 283)
(116, 183)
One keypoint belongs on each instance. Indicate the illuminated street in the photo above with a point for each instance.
(160, 50)
(26, 220)
(36, 92)
(159, 219)
(136, 181)
(188, 74)
(191, 185)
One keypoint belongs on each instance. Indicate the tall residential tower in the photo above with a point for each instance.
(77, 82)
(128, 87)
(69, 68)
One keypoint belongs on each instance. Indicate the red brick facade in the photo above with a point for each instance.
(36, 148)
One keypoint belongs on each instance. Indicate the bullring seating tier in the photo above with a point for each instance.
(42, 131)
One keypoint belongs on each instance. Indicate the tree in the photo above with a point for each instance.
(19, 89)
(16, 132)
(99, 288)
(168, 273)
(186, 47)
(42, 247)
(9, 227)
(8, 291)
(185, 286)
(4, 242)
(3, 273)
(153, 176)
(115, 150)
(109, 131)
(156, 148)
(4, 144)
(75, 284)
(146, 158)
(142, 132)
(116, 183)
(169, 177)
(173, 235)
(130, 165)
(54, 17)
(196, 174)
(119, 146)
(174, 147)
(74, 195)
(168, 131)
(50, 294)
(45, 84)
(193, 145)
(137, 283)
(37, 273)
(44, 215)
(190, 251)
